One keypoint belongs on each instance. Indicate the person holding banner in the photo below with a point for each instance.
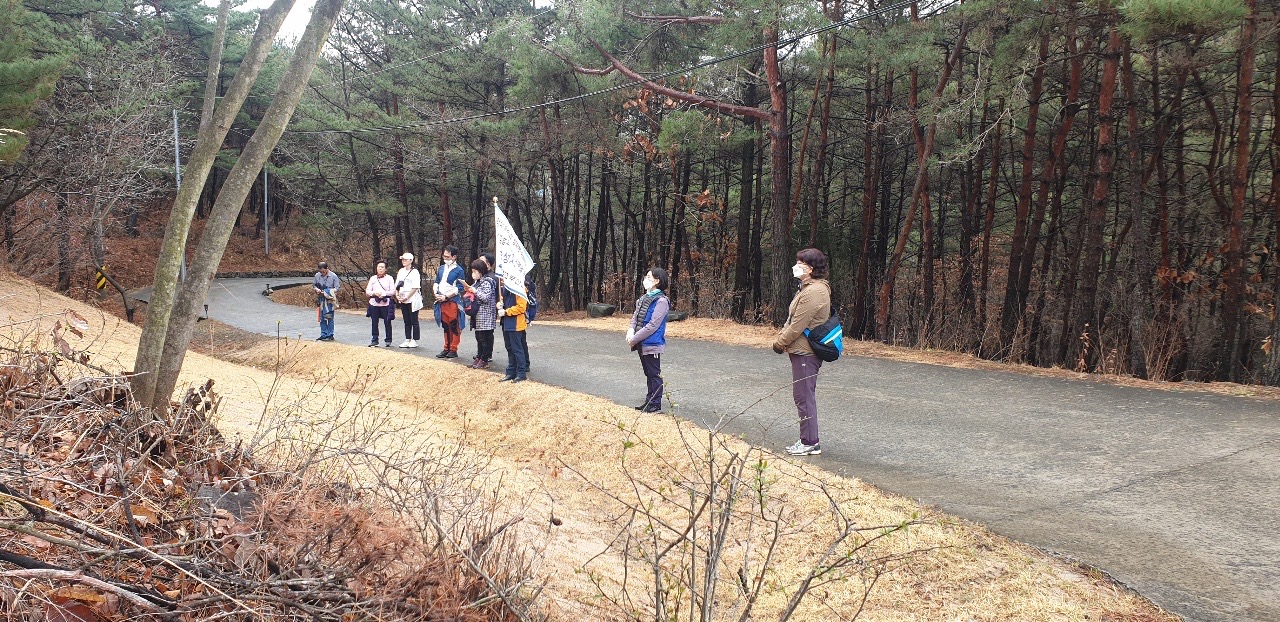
(449, 315)
(511, 309)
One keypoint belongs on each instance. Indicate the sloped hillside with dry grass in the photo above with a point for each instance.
(621, 514)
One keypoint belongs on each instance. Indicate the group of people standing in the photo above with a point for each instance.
(493, 305)
(810, 307)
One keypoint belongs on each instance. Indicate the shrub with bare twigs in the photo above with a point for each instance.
(106, 514)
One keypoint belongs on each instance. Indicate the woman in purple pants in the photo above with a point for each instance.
(810, 308)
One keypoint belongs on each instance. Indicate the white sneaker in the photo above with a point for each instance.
(405, 344)
(800, 449)
(413, 343)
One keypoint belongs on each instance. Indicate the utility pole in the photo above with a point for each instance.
(177, 174)
(266, 215)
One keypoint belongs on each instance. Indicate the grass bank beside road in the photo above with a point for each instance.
(610, 497)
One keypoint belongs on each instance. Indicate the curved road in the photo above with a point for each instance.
(1176, 494)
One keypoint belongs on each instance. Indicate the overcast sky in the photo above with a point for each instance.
(293, 25)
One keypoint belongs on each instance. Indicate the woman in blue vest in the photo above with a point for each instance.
(648, 335)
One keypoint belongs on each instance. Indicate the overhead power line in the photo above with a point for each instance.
(898, 6)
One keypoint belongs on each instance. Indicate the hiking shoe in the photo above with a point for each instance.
(800, 449)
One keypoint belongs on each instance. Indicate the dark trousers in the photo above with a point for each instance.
(386, 322)
(517, 353)
(652, 365)
(484, 345)
(804, 390)
(411, 328)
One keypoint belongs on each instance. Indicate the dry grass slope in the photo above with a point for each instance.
(575, 469)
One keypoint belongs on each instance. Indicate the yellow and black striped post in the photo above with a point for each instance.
(100, 278)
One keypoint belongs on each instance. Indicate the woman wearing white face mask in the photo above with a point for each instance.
(648, 335)
(810, 308)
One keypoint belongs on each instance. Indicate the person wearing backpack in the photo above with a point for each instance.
(484, 293)
(648, 335)
(512, 309)
(530, 313)
(810, 307)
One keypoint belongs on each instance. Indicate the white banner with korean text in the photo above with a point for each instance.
(511, 259)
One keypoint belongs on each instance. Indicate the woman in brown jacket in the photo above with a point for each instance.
(810, 308)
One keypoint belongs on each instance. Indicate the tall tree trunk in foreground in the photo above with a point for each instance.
(222, 219)
(208, 142)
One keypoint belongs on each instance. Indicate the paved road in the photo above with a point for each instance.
(1175, 494)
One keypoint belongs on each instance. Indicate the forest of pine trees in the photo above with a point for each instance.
(1078, 183)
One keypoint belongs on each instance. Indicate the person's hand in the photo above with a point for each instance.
(779, 349)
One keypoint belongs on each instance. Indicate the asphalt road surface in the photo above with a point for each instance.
(1175, 494)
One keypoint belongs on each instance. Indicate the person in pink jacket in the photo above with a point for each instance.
(381, 290)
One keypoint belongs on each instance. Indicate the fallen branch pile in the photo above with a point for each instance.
(108, 512)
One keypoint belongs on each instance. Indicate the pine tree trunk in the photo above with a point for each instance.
(1015, 297)
(160, 308)
(1141, 268)
(1229, 347)
(1086, 322)
(917, 191)
(446, 213)
(780, 257)
(746, 197)
(1273, 356)
(872, 129)
(988, 223)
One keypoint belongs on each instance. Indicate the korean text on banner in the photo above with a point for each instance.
(512, 260)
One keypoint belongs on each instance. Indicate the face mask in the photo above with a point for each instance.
(649, 283)
(799, 270)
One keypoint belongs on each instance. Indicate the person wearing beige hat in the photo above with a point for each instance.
(409, 299)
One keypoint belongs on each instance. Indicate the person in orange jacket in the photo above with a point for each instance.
(512, 309)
